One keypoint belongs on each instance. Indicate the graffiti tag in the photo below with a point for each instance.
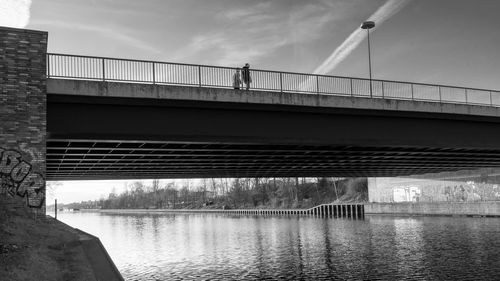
(18, 178)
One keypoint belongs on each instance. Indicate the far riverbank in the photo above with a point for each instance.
(486, 209)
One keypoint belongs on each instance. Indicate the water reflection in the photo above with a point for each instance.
(214, 246)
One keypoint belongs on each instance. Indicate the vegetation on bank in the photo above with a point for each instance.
(233, 194)
(38, 249)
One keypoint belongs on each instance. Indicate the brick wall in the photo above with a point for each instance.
(23, 105)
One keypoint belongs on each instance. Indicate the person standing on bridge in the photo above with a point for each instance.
(245, 73)
(237, 79)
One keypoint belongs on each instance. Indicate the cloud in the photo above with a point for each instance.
(383, 13)
(15, 13)
(107, 32)
(252, 33)
(230, 52)
(246, 14)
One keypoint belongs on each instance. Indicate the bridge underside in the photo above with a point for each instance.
(79, 160)
(99, 137)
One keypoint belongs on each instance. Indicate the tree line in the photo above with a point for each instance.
(232, 193)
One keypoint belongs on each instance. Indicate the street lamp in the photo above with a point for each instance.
(369, 25)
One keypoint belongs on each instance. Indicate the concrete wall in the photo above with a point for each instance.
(461, 186)
(22, 117)
(138, 90)
(435, 208)
(475, 192)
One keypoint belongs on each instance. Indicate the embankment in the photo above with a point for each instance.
(46, 249)
(488, 209)
(491, 208)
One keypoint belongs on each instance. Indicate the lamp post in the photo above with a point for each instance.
(369, 25)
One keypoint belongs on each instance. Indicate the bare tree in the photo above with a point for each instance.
(155, 186)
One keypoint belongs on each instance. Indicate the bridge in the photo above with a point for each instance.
(120, 118)
(112, 118)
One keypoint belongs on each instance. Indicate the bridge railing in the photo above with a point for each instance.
(140, 71)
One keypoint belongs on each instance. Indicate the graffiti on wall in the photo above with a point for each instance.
(448, 191)
(18, 178)
(406, 194)
(471, 191)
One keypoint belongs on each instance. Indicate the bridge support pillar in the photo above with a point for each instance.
(23, 107)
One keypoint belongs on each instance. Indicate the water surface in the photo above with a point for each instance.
(229, 247)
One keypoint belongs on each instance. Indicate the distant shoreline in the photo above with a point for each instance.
(468, 209)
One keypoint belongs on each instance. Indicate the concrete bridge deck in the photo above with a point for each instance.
(101, 130)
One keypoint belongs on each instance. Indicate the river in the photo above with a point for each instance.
(239, 247)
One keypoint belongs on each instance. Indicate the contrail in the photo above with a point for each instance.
(15, 13)
(383, 13)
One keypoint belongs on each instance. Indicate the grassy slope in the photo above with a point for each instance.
(38, 249)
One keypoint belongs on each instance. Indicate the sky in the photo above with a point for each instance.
(450, 42)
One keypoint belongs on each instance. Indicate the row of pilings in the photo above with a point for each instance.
(339, 210)
(355, 211)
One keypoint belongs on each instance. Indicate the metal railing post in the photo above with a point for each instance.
(491, 99)
(199, 75)
(281, 82)
(317, 84)
(466, 98)
(383, 90)
(103, 70)
(352, 91)
(440, 98)
(154, 80)
(48, 65)
(412, 96)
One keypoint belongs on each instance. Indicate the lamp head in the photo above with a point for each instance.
(368, 25)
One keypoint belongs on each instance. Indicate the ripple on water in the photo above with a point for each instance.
(221, 247)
